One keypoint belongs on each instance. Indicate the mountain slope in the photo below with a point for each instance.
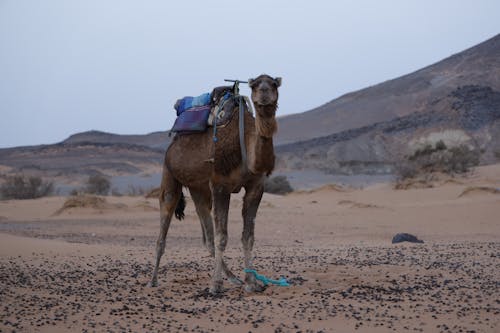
(469, 115)
(158, 140)
(81, 159)
(456, 100)
(479, 65)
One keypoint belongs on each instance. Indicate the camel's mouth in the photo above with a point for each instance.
(265, 103)
(266, 111)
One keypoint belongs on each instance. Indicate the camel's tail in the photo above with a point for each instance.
(181, 205)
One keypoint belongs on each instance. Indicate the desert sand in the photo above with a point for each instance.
(86, 269)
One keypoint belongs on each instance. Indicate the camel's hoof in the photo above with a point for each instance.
(236, 281)
(216, 288)
(254, 288)
(153, 284)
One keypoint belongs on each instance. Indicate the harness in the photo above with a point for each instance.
(242, 101)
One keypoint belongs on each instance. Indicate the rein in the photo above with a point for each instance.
(241, 133)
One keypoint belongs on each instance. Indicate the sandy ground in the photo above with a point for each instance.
(87, 269)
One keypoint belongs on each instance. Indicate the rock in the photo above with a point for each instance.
(404, 237)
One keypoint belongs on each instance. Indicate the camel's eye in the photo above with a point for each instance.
(253, 83)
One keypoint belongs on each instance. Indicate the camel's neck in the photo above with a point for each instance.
(261, 153)
(265, 126)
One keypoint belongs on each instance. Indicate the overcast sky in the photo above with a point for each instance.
(119, 66)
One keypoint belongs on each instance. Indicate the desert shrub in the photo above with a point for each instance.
(438, 158)
(428, 150)
(405, 169)
(25, 187)
(83, 201)
(98, 184)
(116, 193)
(277, 185)
(460, 159)
(75, 191)
(135, 191)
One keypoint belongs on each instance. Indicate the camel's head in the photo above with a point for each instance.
(265, 91)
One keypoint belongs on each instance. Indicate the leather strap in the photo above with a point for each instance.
(241, 133)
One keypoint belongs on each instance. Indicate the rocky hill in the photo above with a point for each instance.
(157, 140)
(479, 65)
(456, 100)
(468, 115)
(72, 162)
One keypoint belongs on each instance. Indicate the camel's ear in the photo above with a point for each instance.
(251, 83)
(278, 81)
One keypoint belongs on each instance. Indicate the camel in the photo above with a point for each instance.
(212, 170)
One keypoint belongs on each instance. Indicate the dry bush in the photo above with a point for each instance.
(25, 187)
(135, 191)
(83, 201)
(116, 193)
(429, 160)
(98, 184)
(277, 185)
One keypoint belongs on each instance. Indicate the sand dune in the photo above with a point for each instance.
(87, 268)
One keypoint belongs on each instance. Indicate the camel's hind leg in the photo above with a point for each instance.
(221, 198)
(170, 193)
(202, 199)
(251, 201)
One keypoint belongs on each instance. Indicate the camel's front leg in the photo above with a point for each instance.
(251, 201)
(221, 199)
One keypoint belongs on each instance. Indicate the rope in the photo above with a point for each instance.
(282, 282)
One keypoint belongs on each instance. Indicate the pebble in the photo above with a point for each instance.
(370, 286)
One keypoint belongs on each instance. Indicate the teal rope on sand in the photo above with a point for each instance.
(281, 282)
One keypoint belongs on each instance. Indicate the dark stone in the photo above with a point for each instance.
(404, 237)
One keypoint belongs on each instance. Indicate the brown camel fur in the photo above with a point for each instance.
(213, 170)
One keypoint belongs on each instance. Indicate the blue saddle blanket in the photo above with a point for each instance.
(192, 120)
(190, 102)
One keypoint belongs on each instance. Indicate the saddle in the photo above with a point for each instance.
(196, 114)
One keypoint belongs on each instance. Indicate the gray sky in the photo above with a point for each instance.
(118, 66)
